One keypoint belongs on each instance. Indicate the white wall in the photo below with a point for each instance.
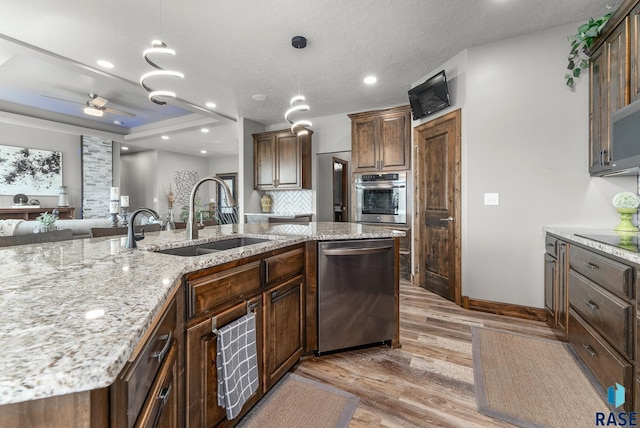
(525, 136)
(250, 198)
(224, 165)
(69, 145)
(138, 173)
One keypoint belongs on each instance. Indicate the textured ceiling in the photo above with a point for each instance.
(230, 50)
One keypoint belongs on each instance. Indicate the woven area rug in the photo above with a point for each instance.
(297, 401)
(532, 382)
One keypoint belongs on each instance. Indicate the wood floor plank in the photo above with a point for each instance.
(428, 382)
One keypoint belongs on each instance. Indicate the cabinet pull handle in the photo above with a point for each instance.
(591, 266)
(549, 244)
(590, 350)
(275, 294)
(163, 396)
(165, 348)
(447, 219)
(551, 262)
(591, 304)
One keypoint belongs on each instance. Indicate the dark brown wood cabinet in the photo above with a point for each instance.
(30, 213)
(202, 408)
(381, 140)
(283, 335)
(282, 160)
(555, 283)
(609, 87)
(283, 313)
(634, 76)
(602, 316)
(271, 285)
(132, 397)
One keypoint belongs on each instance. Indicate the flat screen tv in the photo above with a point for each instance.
(430, 96)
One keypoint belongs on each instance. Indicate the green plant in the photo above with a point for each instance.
(580, 44)
(47, 219)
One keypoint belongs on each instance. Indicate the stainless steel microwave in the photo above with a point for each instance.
(381, 198)
(625, 140)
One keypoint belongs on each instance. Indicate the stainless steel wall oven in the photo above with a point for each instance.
(381, 198)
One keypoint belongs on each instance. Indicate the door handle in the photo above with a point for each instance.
(447, 219)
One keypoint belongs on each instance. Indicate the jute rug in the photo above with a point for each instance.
(532, 382)
(297, 401)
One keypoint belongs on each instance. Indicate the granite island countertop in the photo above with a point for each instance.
(72, 312)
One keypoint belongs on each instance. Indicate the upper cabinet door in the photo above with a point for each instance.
(381, 140)
(364, 141)
(396, 149)
(634, 23)
(288, 161)
(264, 163)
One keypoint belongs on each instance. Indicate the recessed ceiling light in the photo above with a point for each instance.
(370, 80)
(204, 130)
(117, 122)
(204, 152)
(210, 104)
(165, 137)
(124, 148)
(259, 97)
(104, 64)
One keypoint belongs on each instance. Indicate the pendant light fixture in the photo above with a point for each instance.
(158, 47)
(297, 103)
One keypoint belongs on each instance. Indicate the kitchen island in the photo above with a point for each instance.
(73, 313)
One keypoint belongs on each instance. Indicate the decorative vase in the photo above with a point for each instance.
(63, 199)
(265, 202)
(625, 224)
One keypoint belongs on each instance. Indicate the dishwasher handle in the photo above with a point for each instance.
(355, 251)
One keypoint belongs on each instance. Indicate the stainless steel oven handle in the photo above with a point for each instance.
(356, 251)
(378, 186)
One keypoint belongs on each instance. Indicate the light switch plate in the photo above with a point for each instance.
(492, 198)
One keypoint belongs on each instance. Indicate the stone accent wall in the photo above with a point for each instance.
(291, 201)
(97, 176)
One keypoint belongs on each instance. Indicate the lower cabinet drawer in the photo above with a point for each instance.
(610, 274)
(161, 407)
(606, 364)
(283, 266)
(212, 290)
(609, 315)
(132, 387)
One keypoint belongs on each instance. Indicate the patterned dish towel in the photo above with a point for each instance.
(237, 364)
(7, 227)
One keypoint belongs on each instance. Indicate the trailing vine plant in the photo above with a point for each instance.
(580, 44)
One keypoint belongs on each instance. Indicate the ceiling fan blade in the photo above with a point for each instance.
(116, 111)
(62, 99)
(98, 101)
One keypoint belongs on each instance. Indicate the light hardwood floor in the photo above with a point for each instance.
(428, 382)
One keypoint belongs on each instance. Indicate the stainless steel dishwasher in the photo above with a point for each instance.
(356, 293)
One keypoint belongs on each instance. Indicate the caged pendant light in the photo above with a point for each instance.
(298, 103)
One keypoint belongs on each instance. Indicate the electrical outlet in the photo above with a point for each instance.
(492, 198)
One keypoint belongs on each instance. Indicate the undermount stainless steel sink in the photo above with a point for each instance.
(211, 247)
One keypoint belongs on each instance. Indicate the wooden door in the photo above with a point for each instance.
(288, 157)
(395, 147)
(283, 323)
(364, 135)
(264, 161)
(438, 200)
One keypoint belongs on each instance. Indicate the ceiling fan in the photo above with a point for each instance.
(96, 106)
